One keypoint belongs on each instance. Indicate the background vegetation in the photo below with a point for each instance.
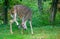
(40, 22)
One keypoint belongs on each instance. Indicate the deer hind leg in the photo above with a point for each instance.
(11, 21)
(31, 27)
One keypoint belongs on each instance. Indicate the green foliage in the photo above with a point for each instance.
(14, 2)
(37, 17)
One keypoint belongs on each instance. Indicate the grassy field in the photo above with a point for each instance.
(44, 32)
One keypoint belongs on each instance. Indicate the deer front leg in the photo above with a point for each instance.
(31, 27)
(15, 19)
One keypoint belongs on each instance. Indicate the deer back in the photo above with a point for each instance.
(22, 11)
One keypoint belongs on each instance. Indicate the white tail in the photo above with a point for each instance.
(24, 13)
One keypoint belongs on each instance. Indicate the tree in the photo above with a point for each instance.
(53, 10)
(6, 4)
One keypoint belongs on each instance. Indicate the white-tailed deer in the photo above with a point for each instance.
(24, 13)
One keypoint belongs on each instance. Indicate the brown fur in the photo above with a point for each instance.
(23, 13)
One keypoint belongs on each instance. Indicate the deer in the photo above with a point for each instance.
(24, 13)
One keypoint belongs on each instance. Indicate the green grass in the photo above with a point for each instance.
(44, 32)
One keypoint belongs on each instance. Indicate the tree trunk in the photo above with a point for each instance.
(53, 10)
(6, 11)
